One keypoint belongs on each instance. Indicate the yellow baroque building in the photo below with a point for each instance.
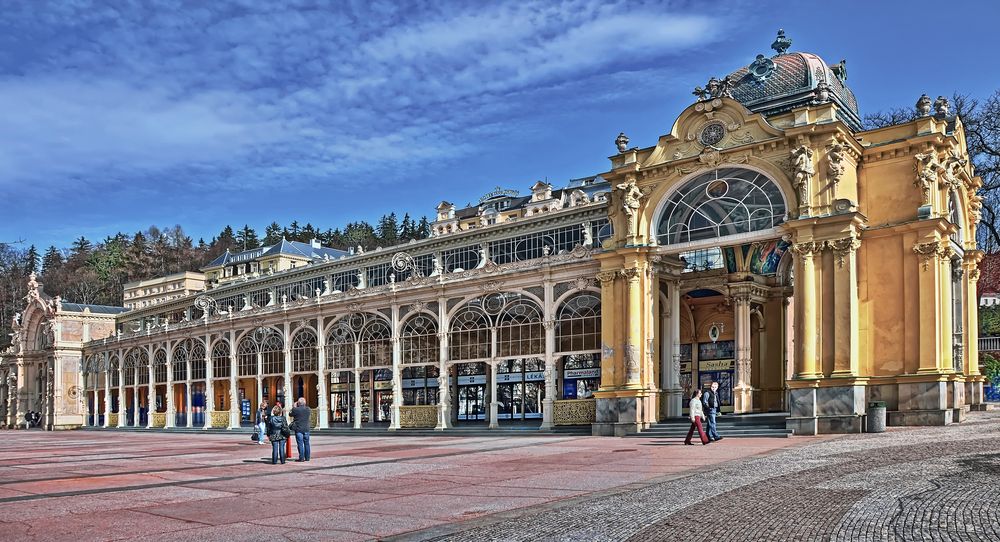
(767, 242)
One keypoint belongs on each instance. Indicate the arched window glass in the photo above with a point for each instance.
(419, 340)
(304, 356)
(160, 366)
(142, 367)
(179, 361)
(340, 342)
(220, 359)
(113, 369)
(470, 334)
(376, 344)
(578, 328)
(519, 330)
(197, 354)
(719, 203)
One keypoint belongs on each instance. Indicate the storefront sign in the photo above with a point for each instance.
(340, 387)
(383, 384)
(582, 373)
(715, 365)
(508, 377)
(534, 376)
(475, 379)
(413, 383)
(433, 382)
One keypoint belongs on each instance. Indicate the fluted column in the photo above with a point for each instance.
(234, 396)
(357, 386)
(675, 395)
(845, 306)
(121, 390)
(209, 389)
(397, 369)
(742, 390)
(633, 337)
(494, 404)
(107, 390)
(806, 293)
(171, 415)
(444, 390)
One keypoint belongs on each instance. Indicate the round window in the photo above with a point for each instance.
(712, 133)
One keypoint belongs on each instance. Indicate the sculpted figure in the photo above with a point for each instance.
(802, 165)
(924, 105)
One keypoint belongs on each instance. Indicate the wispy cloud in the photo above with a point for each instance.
(250, 95)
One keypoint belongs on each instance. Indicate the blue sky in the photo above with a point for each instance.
(121, 115)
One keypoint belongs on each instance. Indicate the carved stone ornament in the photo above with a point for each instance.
(974, 275)
(781, 43)
(631, 362)
(630, 274)
(582, 283)
(761, 68)
(491, 286)
(354, 307)
(975, 207)
(952, 167)
(621, 142)
(802, 168)
(606, 277)
(821, 94)
(418, 306)
(715, 88)
(923, 105)
(928, 170)
(842, 248)
(835, 163)
(630, 198)
(942, 107)
(927, 251)
(807, 249)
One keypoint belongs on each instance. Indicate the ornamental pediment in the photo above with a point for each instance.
(710, 127)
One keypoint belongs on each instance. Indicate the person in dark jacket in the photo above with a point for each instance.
(276, 427)
(712, 403)
(300, 426)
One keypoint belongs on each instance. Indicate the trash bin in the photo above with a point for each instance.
(876, 417)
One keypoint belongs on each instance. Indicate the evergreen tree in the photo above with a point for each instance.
(407, 229)
(31, 260)
(423, 228)
(308, 233)
(80, 247)
(388, 230)
(246, 239)
(272, 234)
(52, 261)
(293, 231)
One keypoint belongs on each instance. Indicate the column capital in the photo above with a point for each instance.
(606, 277)
(806, 250)
(842, 248)
(630, 274)
(931, 250)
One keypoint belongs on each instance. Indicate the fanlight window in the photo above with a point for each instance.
(578, 328)
(369, 333)
(498, 325)
(221, 368)
(160, 366)
(304, 355)
(113, 369)
(722, 202)
(419, 340)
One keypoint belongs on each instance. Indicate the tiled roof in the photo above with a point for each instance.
(96, 309)
(291, 248)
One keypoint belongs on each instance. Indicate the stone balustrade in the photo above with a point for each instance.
(574, 412)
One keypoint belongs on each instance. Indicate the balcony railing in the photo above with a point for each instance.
(989, 344)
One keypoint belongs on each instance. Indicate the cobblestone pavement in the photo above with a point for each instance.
(151, 486)
(930, 483)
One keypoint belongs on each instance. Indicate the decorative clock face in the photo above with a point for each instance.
(712, 134)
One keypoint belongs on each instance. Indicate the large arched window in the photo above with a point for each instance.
(419, 340)
(304, 355)
(719, 203)
(160, 366)
(221, 367)
(578, 328)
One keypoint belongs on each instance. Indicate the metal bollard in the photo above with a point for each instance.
(876, 417)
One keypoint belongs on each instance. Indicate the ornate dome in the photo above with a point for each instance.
(788, 80)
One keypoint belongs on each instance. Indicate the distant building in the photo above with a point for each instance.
(145, 293)
(989, 299)
(280, 256)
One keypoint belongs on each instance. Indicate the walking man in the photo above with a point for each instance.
(710, 400)
(300, 426)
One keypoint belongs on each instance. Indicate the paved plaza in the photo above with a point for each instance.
(907, 484)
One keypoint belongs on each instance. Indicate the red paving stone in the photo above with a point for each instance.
(86, 485)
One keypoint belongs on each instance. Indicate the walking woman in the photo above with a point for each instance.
(277, 432)
(697, 415)
(261, 422)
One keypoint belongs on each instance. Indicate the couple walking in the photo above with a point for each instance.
(276, 427)
(702, 403)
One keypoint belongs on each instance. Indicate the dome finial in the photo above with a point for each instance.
(781, 43)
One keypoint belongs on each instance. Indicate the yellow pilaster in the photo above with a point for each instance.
(929, 258)
(845, 305)
(807, 362)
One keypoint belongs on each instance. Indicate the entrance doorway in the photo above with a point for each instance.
(520, 389)
(472, 395)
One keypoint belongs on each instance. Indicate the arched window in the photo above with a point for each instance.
(221, 367)
(113, 368)
(142, 367)
(578, 328)
(470, 337)
(719, 203)
(304, 356)
(197, 354)
(267, 343)
(955, 218)
(419, 340)
(340, 342)
(376, 344)
(179, 360)
(519, 330)
(160, 366)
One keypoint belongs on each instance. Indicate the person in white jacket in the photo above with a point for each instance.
(697, 414)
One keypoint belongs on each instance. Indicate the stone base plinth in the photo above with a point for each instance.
(921, 417)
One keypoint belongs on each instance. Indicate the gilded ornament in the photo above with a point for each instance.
(842, 248)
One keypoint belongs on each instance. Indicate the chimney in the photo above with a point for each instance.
(315, 243)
